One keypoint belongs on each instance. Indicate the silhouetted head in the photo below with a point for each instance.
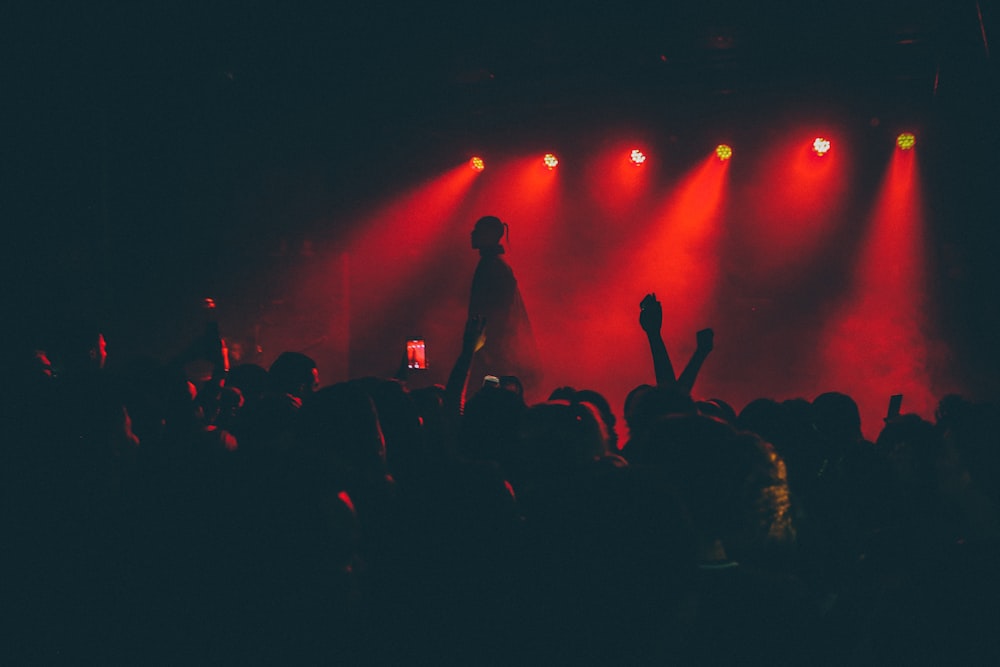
(487, 232)
(837, 416)
(911, 445)
(645, 405)
(490, 424)
(399, 417)
(951, 409)
(733, 482)
(597, 400)
(293, 373)
(83, 346)
(631, 400)
(763, 416)
(562, 435)
(342, 423)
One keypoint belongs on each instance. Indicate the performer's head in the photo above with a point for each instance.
(487, 232)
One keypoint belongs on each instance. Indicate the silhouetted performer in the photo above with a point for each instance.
(510, 345)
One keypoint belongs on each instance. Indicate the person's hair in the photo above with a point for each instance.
(763, 416)
(562, 435)
(837, 416)
(718, 408)
(733, 482)
(490, 423)
(291, 373)
(645, 406)
(597, 400)
(341, 423)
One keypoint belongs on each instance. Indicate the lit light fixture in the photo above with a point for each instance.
(723, 152)
(477, 164)
(550, 160)
(821, 146)
(637, 157)
(906, 141)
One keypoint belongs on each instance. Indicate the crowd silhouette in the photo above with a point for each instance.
(257, 516)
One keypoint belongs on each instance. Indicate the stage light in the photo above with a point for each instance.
(477, 163)
(723, 152)
(821, 146)
(550, 160)
(637, 157)
(906, 141)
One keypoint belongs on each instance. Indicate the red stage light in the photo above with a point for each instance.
(550, 160)
(477, 163)
(637, 157)
(906, 141)
(821, 146)
(723, 152)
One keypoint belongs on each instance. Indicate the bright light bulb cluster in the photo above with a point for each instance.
(723, 152)
(821, 146)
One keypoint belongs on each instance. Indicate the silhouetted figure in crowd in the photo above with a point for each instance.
(293, 374)
(291, 381)
(598, 400)
(510, 347)
(734, 487)
(644, 405)
(368, 523)
(670, 395)
(490, 425)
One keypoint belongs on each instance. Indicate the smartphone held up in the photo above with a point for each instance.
(895, 403)
(416, 353)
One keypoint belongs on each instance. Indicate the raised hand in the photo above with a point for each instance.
(651, 319)
(706, 340)
(650, 314)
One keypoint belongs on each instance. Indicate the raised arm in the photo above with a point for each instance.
(706, 342)
(651, 319)
(473, 340)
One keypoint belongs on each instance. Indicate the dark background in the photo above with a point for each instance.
(153, 151)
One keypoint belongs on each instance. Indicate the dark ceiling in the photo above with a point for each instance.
(393, 67)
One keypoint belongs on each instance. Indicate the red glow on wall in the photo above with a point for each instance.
(680, 254)
(529, 186)
(614, 183)
(795, 203)
(697, 199)
(416, 213)
(395, 254)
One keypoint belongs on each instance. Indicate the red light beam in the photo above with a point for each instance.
(879, 345)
